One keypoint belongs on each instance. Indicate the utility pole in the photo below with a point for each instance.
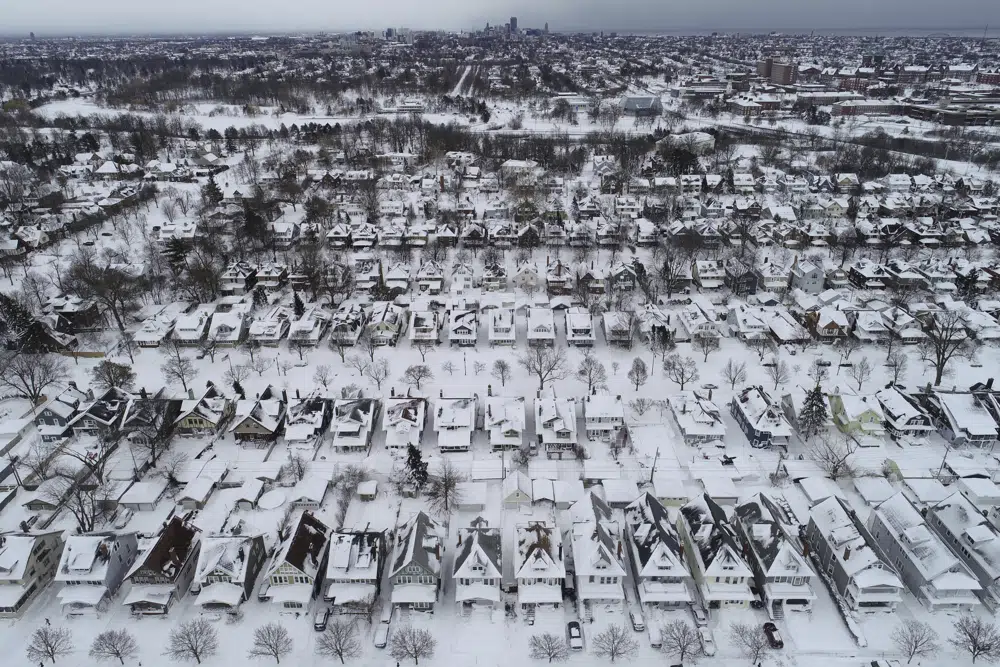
(653, 471)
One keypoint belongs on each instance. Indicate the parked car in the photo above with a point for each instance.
(707, 641)
(575, 636)
(773, 636)
(382, 634)
(322, 616)
(637, 621)
(655, 640)
(700, 616)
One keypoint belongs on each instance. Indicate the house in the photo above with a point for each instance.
(962, 418)
(516, 490)
(619, 328)
(227, 570)
(306, 419)
(932, 573)
(698, 418)
(477, 570)
(164, 569)
(558, 279)
(501, 328)
(416, 563)
(259, 420)
(424, 327)
(604, 416)
(708, 274)
(92, 568)
(539, 568)
(455, 421)
(54, 417)
(780, 569)
(829, 324)
(347, 324)
(598, 552)
(555, 425)
(294, 575)
(72, 314)
(272, 277)
(27, 564)
(526, 276)
(505, 421)
(842, 548)
(714, 555)
(656, 556)
(760, 419)
(430, 278)
(268, 329)
(354, 570)
(403, 420)
(101, 416)
(695, 323)
(973, 538)
(143, 496)
(204, 415)
(903, 417)
(352, 424)
(579, 327)
(807, 276)
(190, 329)
(739, 277)
(856, 415)
(387, 323)
(771, 276)
(463, 326)
(494, 278)
(868, 327)
(541, 327)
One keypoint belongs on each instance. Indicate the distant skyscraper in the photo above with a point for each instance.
(546, 27)
(513, 24)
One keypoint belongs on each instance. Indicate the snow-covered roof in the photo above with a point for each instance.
(847, 538)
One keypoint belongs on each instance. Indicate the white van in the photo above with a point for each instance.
(654, 637)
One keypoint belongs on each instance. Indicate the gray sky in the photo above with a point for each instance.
(160, 16)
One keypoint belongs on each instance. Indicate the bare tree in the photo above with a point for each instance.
(368, 344)
(977, 637)
(818, 372)
(946, 339)
(860, 371)
(832, 453)
(378, 372)
(897, 364)
(641, 406)
(260, 364)
(108, 374)
(548, 647)
(271, 641)
(411, 642)
(114, 645)
(237, 374)
(680, 640)
(501, 371)
(478, 367)
(29, 375)
(177, 367)
(340, 346)
(735, 373)
(358, 363)
(444, 489)
(706, 345)
(749, 640)
(681, 370)
(322, 376)
(449, 367)
(638, 374)
(339, 640)
(49, 643)
(615, 642)
(423, 347)
(418, 374)
(915, 639)
(759, 344)
(193, 640)
(86, 502)
(546, 363)
(848, 346)
(778, 372)
(298, 466)
(592, 373)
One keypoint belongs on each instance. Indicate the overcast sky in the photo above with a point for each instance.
(161, 16)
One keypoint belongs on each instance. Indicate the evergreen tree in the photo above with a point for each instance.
(16, 323)
(259, 297)
(300, 308)
(814, 415)
(211, 195)
(967, 290)
(176, 253)
(238, 389)
(416, 466)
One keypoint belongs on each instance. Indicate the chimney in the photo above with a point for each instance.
(191, 394)
(709, 394)
(847, 552)
(989, 383)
